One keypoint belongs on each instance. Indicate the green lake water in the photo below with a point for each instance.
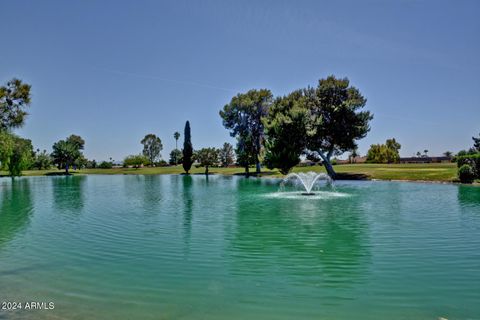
(187, 247)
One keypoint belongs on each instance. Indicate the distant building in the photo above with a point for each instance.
(352, 160)
(425, 160)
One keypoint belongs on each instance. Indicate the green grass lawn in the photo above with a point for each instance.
(446, 172)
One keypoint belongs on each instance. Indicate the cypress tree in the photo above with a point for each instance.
(187, 149)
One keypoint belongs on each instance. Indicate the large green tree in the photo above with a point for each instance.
(67, 152)
(243, 117)
(16, 153)
(243, 153)
(321, 122)
(14, 98)
(207, 157)
(21, 157)
(175, 157)
(384, 153)
(335, 120)
(187, 149)
(226, 155)
(152, 146)
(285, 130)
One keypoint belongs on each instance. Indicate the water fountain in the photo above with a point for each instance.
(307, 180)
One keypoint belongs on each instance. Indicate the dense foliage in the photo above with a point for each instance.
(207, 157)
(321, 122)
(187, 160)
(14, 98)
(466, 174)
(226, 155)
(42, 160)
(468, 162)
(384, 153)
(91, 164)
(16, 153)
(6, 148)
(152, 146)
(176, 157)
(243, 117)
(473, 160)
(243, 153)
(67, 153)
(105, 165)
(286, 132)
(135, 161)
(335, 120)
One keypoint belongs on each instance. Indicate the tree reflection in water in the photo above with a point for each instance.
(316, 243)
(68, 193)
(16, 208)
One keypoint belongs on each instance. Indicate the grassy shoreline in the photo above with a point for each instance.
(432, 172)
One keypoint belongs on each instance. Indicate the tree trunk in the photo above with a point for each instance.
(206, 170)
(176, 148)
(247, 172)
(66, 169)
(330, 170)
(258, 166)
(328, 164)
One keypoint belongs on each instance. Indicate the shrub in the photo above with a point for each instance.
(42, 160)
(91, 164)
(105, 165)
(135, 161)
(473, 160)
(466, 174)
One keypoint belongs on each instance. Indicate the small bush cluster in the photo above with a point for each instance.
(468, 167)
(105, 165)
(466, 174)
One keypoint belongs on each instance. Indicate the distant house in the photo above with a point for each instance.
(425, 160)
(352, 160)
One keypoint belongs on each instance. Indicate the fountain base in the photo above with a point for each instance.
(308, 194)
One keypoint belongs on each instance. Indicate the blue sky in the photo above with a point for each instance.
(113, 71)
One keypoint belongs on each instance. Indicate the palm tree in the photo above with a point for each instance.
(448, 154)
(176, 135)
(426, 152)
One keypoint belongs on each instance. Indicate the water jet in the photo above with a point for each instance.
(307, 180)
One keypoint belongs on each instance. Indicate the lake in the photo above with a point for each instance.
(188, 247)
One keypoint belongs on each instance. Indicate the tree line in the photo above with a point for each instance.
(315, 122)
